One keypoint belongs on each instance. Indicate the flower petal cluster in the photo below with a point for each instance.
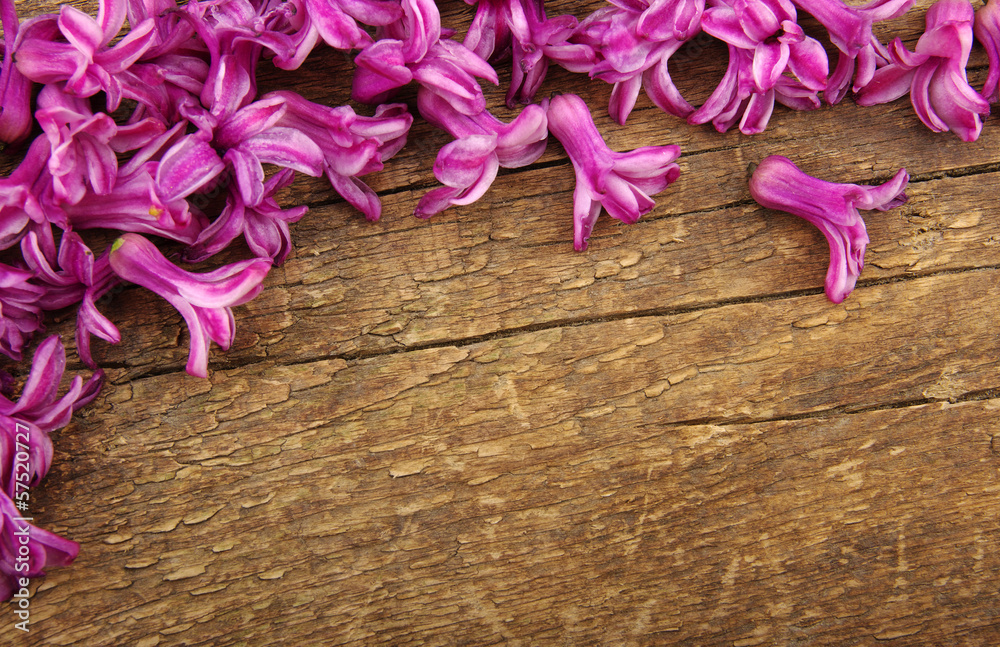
(621, 183)
(934, 74)
(73, 276)
(264, 225)
(23, 195)
(764, 42)
(414, 49)
(81, 157)
(150, 197)
(850, 30)
(197, 131)
(75, 48)
(483, 144)
(20, 312)
(635, 41)
(25, 456)
(350, 145)
(522, 28)
(15, 88)
(204, 300)
(986, 27)
(778, 184)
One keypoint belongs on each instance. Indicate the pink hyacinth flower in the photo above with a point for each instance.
(81, 154)
(75, 47)
(850, 29)
(635, 49)
(778, 184)
(204, 300)
(534, 40)
(15, 88)
(264, 226)
(764, 42)
(39, 404)
(987, 30)
(44, 549)
(483, 144)
(74, 276)
(149, 197)
(622, 183)
(934, 74)
(20, 310)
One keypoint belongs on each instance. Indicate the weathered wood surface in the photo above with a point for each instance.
(460, 431)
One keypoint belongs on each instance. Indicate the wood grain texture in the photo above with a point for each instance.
(461, 432)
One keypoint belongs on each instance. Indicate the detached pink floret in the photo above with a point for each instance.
(620, 182)
(467, 166)
(778, 184)
(204, 300)
(934, 74)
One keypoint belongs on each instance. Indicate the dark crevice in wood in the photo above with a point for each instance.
(219, 360)
(964, 171)
(845, 410)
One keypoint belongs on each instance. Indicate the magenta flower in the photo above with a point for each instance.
(351, 145)
(412, 49)
(635, 51)
(665, 19)
(620, 182)
(168, 89)
(25, 425)
(17, 435)
(522, 27)
(336, 20)
(149, 196)
(74, 276)
(15, 88)
(204, 300)
(229, 30)
(850, 29)
(987, 30)
(764, 41)
(27, 550)
(138, 205)
(489, 33)
(81, 157)
(264, 226)
(39, 404)
(468, 165)
(19, 200)
(172, 30)
(20, 312)
(934, 74)
(385, 65)
(467, 168)
(252, 138)
(85, 61)
(778, 184)
(292, 29)
(450, 69)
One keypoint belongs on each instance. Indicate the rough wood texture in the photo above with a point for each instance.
(461, 432)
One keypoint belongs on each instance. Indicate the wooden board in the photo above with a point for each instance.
(462, 432)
